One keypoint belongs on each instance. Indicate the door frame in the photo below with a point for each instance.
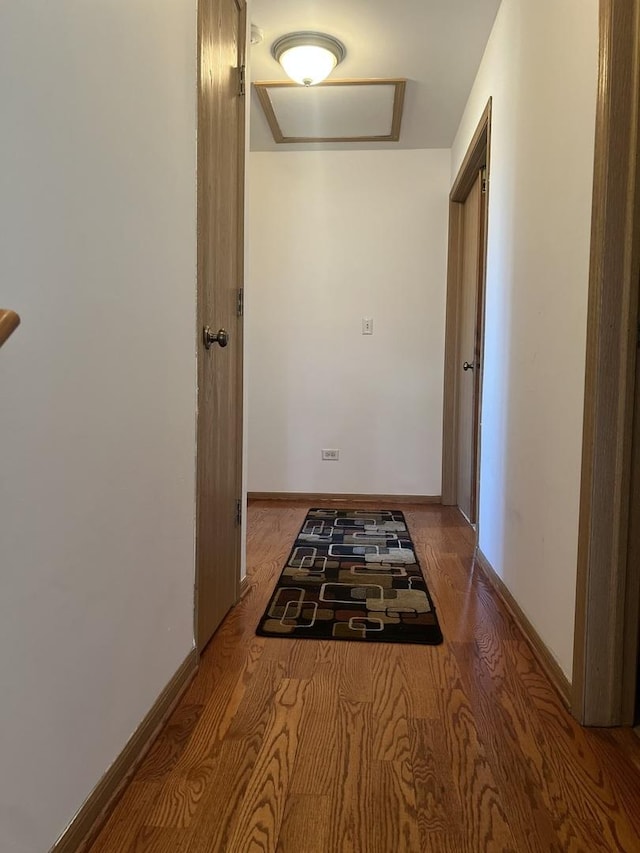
(476, 157)
(608, 583)
(200, 320)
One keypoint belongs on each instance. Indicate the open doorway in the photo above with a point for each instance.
(348, 195)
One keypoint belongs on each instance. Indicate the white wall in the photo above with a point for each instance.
(97, 423)
(335, 237)
(540, 67)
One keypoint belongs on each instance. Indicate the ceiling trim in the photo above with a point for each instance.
(263, 88)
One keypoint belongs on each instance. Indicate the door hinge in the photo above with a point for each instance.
(240, 302)
(485, 181)
(242, 85)
(238, 512)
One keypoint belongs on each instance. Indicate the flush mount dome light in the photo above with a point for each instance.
(308, 58)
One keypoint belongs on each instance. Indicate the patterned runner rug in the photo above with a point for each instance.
(352, 575)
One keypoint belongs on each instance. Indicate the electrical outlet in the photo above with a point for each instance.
(367, 325)
(330, 455)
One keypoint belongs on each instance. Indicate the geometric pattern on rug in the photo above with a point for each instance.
(352, 575)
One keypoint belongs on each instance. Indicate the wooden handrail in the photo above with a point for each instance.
(9, 322)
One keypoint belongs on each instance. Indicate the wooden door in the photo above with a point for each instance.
(468, 353)
(631, 654)
(632, 603)
(220, 252)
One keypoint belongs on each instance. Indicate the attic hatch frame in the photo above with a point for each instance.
(262, 88)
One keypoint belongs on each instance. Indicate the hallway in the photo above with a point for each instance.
(329, 747)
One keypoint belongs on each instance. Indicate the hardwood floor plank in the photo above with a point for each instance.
(592, 809)
(484, 819)
(180, 797)
(391, 705)
(444, 842)
(303, 746)
(353, 818)
(259, 818)
(437, 801)
(622, 771)
(511, 740)
(422, 667)
(354, 679)
(221, 710)
(259, 699)
(230, 773)
(317, 759)
(431, 667)
(305, 825)
(395, 817)
(120, 830)
(159, 840)
(168, 748)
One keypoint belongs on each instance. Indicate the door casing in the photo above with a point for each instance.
(476, 158)
(608, 582)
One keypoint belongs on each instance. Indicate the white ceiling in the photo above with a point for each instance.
(436, 44)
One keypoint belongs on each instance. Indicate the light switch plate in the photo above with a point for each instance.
(367, 325)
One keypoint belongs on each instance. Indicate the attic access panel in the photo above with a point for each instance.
(333, 111)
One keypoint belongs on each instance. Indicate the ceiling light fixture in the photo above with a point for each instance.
(308, 58)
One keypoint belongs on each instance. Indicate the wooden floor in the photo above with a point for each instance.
(335, 747)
